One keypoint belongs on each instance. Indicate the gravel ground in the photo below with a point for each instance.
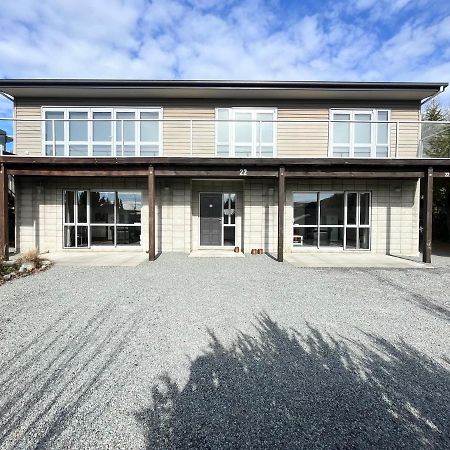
(225, 353)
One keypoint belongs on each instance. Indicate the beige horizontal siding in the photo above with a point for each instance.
(293, 139)
(408, 133)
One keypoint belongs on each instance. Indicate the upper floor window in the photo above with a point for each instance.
(359, 134)
(245, 132)
(102, 132)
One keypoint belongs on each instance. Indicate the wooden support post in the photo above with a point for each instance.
(4, 223)
(151, 214)
(427, 215)
(281, 202)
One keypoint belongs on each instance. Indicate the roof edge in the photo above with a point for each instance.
(217, 84)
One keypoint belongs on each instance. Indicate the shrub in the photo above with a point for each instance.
(31, 256)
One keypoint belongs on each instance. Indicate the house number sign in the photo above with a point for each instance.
(243, 172)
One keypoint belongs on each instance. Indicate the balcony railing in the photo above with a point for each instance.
(225, 138)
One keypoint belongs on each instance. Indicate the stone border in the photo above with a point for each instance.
(24, 270)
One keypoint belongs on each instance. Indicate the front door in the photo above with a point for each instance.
(211, 205)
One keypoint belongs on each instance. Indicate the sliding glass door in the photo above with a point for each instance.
(101, 218)
(328, 219)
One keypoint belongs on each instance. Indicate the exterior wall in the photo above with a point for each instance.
(173, 216)
(395, 211)
(294, 140)
(40, 208)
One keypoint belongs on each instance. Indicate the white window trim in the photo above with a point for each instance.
(90, 224)
(344, 226)
(232, 144)
(373, 131)
(90, 110)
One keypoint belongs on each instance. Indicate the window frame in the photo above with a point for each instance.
(256, 145)
(90, 142)
(116, 224)
(344, 226)
(373, 131)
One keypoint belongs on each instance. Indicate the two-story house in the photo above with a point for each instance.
(177, 166)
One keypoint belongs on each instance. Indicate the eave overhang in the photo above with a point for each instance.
(216, 89)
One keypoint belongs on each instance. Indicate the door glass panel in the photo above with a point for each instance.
(243, 130)
(223, 150)
(102, 235)
(305, 208)
(102, 127)
(266, 131)
(226, 211)
(78, 129)
(341, 130)
(341, 152)
(364, 238)
(331, 237)
(128, 126)
(364, 211)
(229, 236)
(101, 150)
(69, 236)
(382, 128)
(129, 205)
(223, 128)
(128, 235)
(59, 125)
(150, 129)
(331, 208)
(352, 198)
(243, 151)
(102, 207)
(362, 152)
(149, 150)
(363, 130)
(69, 207)
(305, 236)
(350, 242)
(82, 236)
(382, 151)
(82, 206)
(78, 150)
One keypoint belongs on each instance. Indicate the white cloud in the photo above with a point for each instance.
(206, 39)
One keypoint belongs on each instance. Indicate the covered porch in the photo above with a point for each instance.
(271, 170)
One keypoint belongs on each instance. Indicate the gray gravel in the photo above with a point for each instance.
(225, 353)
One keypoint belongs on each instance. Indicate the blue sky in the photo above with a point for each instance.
(372, 40)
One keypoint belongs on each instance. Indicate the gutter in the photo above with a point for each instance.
(426, 100)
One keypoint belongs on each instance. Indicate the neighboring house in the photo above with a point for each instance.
(176, 166)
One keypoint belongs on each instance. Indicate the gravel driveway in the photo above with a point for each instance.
(225, 353)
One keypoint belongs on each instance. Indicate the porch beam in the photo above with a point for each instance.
(74, 172)
(217, 173)
(427, 216)
(4, 224)
(281, 202)
(441, 174)
(351, 174)
(151, 214)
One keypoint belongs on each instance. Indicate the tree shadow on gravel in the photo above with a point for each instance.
(283, 390)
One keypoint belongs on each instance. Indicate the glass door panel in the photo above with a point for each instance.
(243, 134)
(357, 226)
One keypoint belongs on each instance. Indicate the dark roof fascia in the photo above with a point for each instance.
(215, 84)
